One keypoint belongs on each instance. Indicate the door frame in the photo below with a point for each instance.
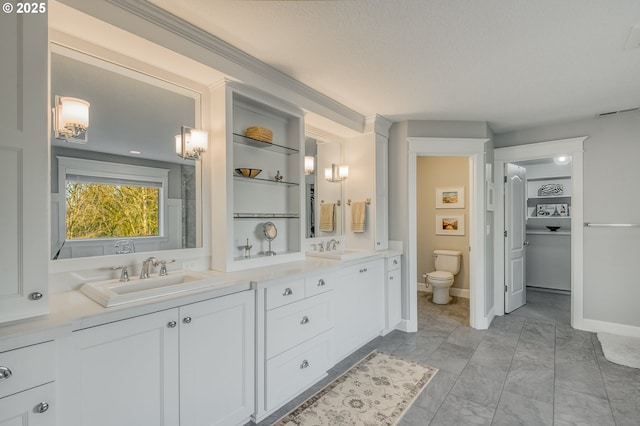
(474, 149)
(513, 154)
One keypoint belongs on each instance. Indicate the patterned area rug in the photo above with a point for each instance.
(376, 391)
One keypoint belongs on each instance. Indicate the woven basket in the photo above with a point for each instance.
(260, 133)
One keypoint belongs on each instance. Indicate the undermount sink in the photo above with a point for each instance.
(346, 254)
(113, 292)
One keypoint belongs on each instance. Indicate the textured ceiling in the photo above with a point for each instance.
(513, 63)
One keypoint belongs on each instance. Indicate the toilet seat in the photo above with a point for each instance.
(440, 275)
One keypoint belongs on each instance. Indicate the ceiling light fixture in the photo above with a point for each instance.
(336, 173)
(561, 160)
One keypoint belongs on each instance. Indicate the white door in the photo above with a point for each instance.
(515, 221)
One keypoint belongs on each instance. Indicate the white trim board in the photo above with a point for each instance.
(611, 327)
(573, 147)
(458, 292)
(451, 147)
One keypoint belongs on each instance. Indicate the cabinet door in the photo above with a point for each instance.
(359, 307)
(24, 227)
(127, 372)
(217, 361)
(34, 407)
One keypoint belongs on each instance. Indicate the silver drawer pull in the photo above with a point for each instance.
(5, 373)
(172, 324)
(36, 296)
(321, 282)
(305, 320)
(304, 364)
(363, 270)
(186, 320)
(391, 277)
(42, 407)
(395, 262)
(287, 292)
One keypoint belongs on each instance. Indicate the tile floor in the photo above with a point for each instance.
(529, 368)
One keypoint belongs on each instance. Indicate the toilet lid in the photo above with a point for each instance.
(440, 275)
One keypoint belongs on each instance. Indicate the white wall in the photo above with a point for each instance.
(611, 174)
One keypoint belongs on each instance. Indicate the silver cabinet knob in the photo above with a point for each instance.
(363, 270)
(5, 373)
(321, 282)
(305, 320)
(287, 292)
(36, 295)
(172, 324)
(42, 407)
(304, 364)
(395, 262)
(186, 320)
(526, 243)
(391, 277)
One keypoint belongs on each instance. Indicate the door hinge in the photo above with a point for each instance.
(505, 288)
(505, 234)
(505, 179)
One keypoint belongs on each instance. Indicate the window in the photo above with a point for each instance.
(110, 200)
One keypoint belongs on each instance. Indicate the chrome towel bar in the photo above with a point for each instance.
(611, 225)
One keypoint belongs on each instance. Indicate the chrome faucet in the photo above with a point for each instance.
(144, 272)
(332, 244)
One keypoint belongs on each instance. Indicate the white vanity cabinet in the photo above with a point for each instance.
(27, 388)
(24, 252)
(241, 205)
(393, 293)
(191, 365)
(295, 349)
(359, 306)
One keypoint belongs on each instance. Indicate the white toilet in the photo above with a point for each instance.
(447, 265)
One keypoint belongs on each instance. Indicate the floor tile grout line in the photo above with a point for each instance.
(604, 383)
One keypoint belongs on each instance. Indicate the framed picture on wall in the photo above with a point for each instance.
(450, 198)
(449, 224)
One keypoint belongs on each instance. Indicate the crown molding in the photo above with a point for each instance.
(377, 124)
(216, 49)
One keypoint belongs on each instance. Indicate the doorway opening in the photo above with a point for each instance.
(538, 213)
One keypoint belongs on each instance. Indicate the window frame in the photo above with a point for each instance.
(105, 169)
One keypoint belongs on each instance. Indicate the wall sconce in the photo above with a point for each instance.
(70, 119)
(309, 165)
(191, 143)
(336, 173)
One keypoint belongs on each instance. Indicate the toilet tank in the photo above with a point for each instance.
(447, 260)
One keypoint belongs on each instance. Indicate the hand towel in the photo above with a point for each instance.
(358, 216)
(327, 217)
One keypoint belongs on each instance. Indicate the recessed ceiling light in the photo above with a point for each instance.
(562, 159)
(135, 152)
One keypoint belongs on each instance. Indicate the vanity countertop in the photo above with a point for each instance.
(72, 310)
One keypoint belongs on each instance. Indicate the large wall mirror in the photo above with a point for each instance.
(324, 203)
(125, 190)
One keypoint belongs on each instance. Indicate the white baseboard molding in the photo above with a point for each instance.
(406, 326)
(458, 292)
(610, 327)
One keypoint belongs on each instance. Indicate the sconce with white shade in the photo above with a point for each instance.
(336, 173)
(309, 165)
(191, 143)
(70, 119)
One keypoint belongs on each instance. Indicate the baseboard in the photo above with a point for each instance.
(610, 327)
(405, 325)
(458, 292)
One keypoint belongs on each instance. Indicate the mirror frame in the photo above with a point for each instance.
(203, 171)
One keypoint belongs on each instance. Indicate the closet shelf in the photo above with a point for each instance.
(266, 216)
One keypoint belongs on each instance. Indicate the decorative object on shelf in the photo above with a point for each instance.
(249, 173)
(247, 250)
(270, 233)
(450, 198)
(336, 173)
(70, 119)
(551, 189)
(278, 176)
(259, 133)
(552, 210)
(309, 165)
(191, 143)
(553, 228)
(450, 225)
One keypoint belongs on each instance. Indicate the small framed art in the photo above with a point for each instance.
(449, 224)
(450, 198)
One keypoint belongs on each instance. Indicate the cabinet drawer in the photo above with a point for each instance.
(318, 284)
(293, 324)
(291, 372)
(393, 262)
(284, 293)
(26, 368)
